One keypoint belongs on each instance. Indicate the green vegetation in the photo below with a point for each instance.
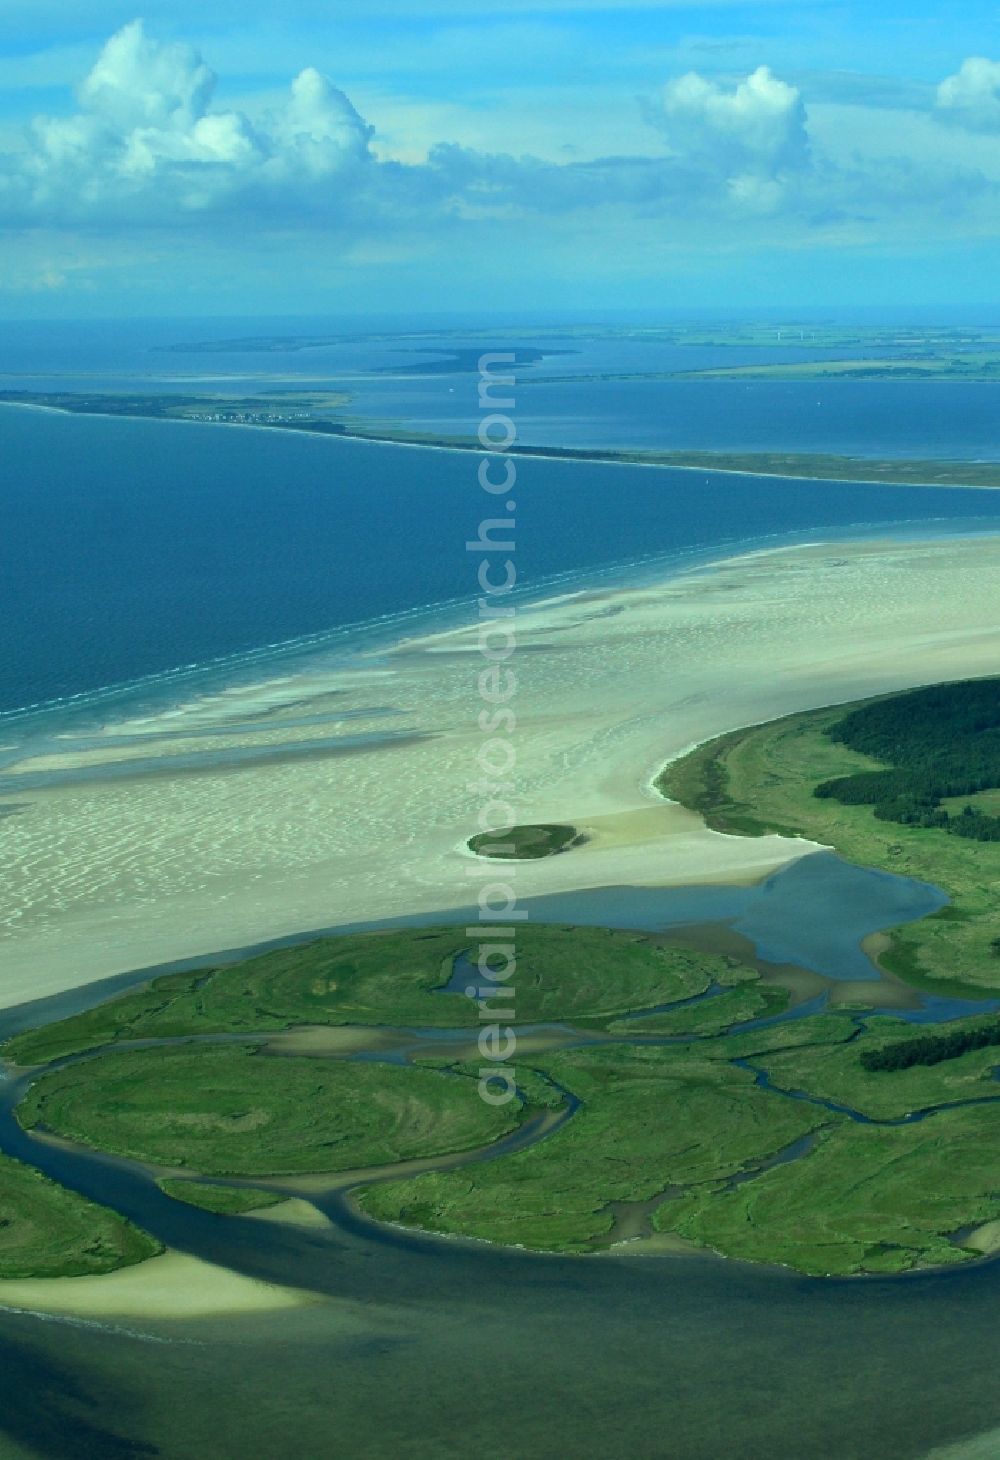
(814, 1031)
(839, 1073)
(866, 1199)
(712, 1015)
(588, 974)
(47, 1231)
(109, 1021)
(929, 365)
(225, 1110)
(939, 742)
(932, 1049)
(650, 1119)
(762, 779)
(226, 1201)
(649, 1116)
(699, 1132)
(286, 408)
(525, 843)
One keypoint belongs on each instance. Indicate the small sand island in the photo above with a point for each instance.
(836, 1140)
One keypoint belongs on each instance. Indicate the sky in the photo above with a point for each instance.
(573, 155)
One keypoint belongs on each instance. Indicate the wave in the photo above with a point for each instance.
(178, 684)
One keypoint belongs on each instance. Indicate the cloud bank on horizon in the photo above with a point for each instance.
(149, 151)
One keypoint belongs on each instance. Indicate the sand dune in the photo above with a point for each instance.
(102, 874)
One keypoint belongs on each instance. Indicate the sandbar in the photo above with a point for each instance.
(172, 1285)
(981, 1447)
(101, 875)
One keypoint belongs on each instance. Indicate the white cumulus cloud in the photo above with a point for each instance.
(972, 96)
(137, 82)
(753, 135)
(319, 129)
(148, 147)
(147, 137)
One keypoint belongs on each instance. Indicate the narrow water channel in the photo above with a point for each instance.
(421, 1346)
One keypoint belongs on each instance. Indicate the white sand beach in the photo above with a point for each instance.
(172, 1285)
(144, 862)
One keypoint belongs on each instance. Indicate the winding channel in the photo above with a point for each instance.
(412, 1325)
(130, 1186)
(872, 901)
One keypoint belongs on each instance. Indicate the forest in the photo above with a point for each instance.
(937, 743)
(931, 1049)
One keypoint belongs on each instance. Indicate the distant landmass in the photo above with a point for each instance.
(320, 413)
(460, 360)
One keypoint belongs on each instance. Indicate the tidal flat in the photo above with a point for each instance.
(169, 878)
(337, 1295)
(103, 875)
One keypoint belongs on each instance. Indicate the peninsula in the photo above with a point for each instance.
(323, 413)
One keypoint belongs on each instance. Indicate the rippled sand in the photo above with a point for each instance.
(332, 797)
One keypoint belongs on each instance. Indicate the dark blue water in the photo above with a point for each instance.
(135, 548)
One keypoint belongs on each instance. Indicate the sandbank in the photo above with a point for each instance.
(985, 1239)
(172, 1285)
(981, 1447)
(101, 875)
(294, 1212)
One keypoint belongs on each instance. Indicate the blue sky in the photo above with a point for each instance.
(504, 154)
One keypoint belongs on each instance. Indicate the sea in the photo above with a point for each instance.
(145, 562)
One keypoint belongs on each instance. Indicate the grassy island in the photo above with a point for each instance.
(225, 1201)
(224, 1110)
(723, 1163)
(587, 975)
(525, 843)
(669, 1091)
(47, 1231)
(651, 1120)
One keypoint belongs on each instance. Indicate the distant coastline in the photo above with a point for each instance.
(279, 412)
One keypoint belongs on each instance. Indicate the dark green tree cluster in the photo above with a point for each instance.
(939, 742)
(930, 1049)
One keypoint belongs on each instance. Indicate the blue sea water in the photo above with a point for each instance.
(149, 554)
